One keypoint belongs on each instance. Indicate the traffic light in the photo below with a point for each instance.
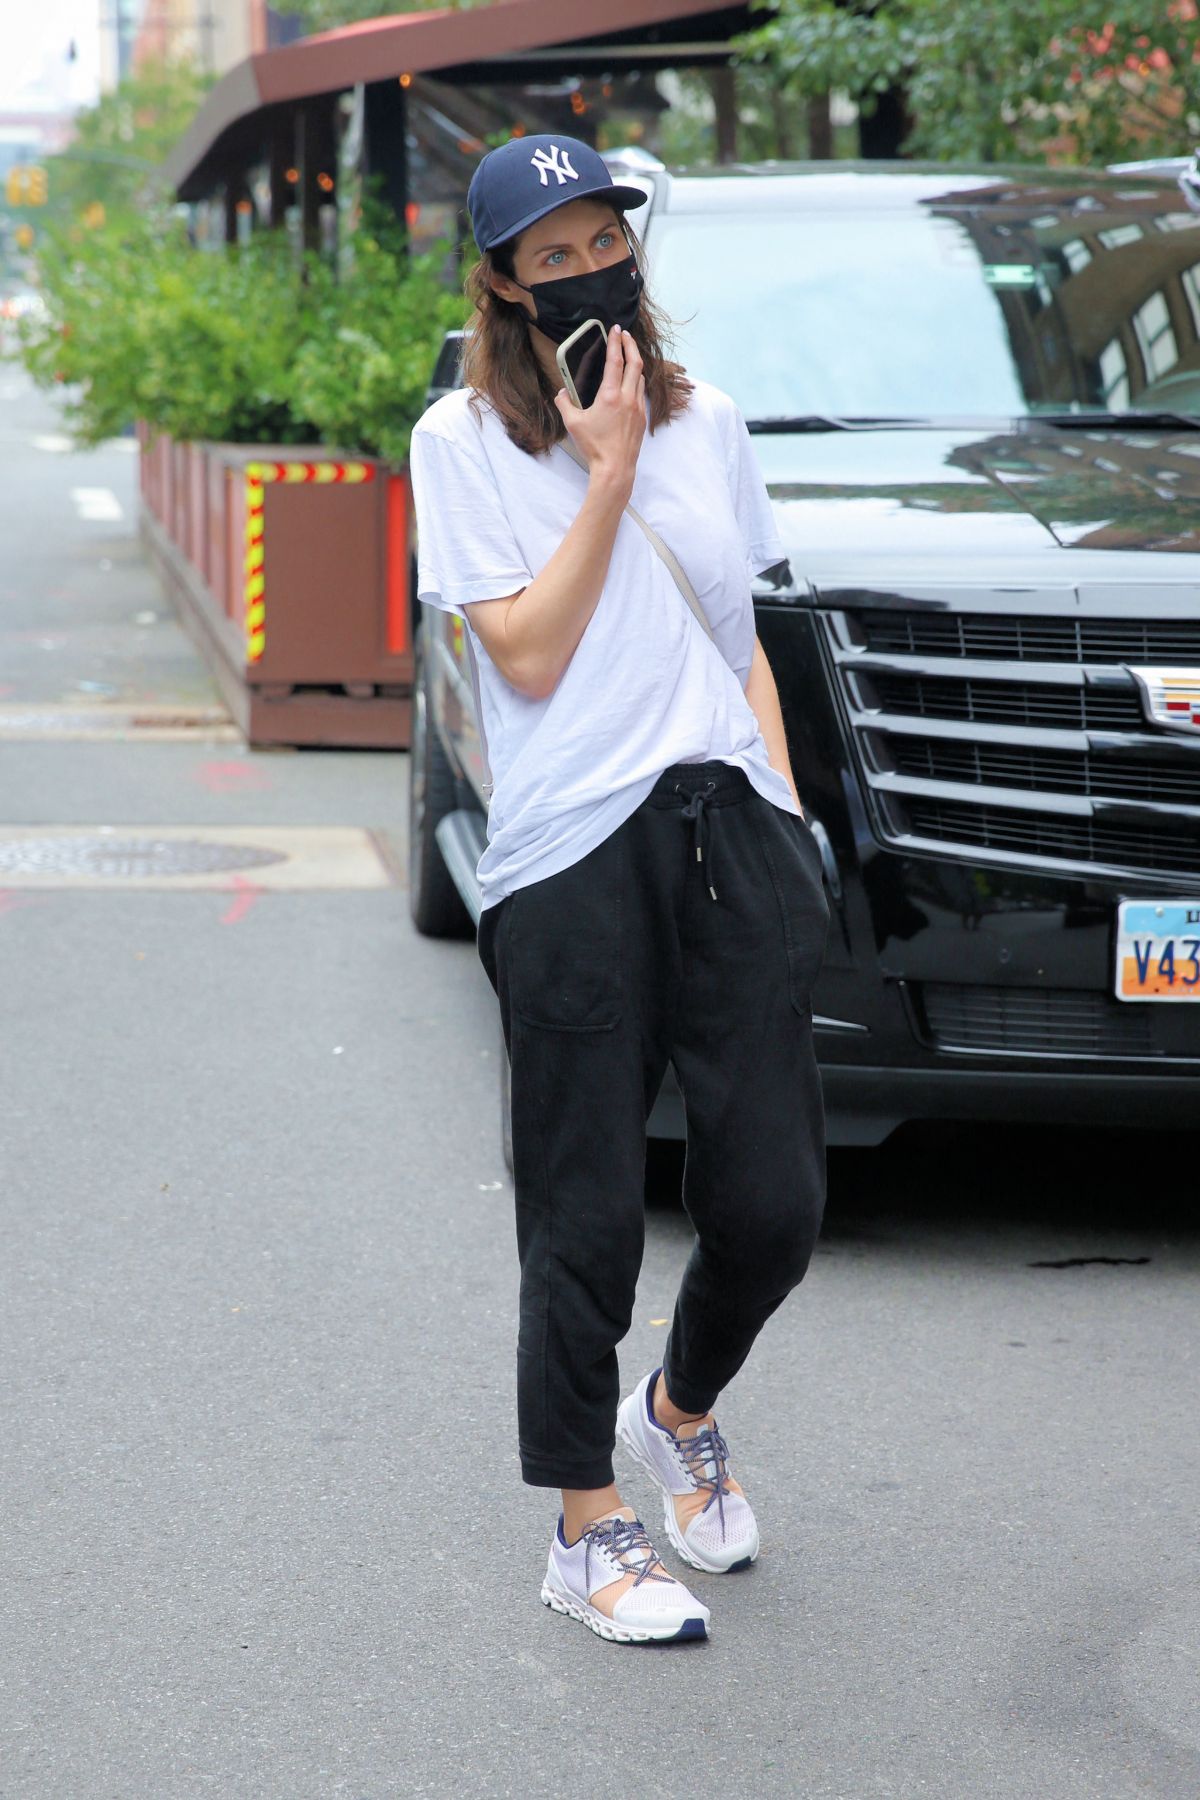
(26, 185)
(24, 237)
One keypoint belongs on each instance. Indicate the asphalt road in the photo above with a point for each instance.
(262, 1526)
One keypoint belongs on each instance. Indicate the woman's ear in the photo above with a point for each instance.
(512, 291)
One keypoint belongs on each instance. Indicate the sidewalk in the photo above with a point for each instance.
(231, 1190)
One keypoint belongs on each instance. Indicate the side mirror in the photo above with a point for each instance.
(447, 370)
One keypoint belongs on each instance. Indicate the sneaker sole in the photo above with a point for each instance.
(670, 1524)
(610, 1631)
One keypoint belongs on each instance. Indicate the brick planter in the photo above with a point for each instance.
(289, 567)
(196, 522)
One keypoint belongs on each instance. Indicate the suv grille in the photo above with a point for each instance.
(1047, 771)
(1034, 1021)
(1043, 710)
(1018, 639)
(1008, 703)
(1149, 846)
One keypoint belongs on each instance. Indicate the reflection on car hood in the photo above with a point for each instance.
(966, 496)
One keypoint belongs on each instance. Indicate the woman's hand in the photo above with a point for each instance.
(610, 430)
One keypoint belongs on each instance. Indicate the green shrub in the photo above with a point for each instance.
(361, 372)
(238, 344)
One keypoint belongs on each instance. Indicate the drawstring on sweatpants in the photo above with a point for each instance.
(695, 810)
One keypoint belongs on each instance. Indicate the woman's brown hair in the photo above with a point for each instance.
(499, 363)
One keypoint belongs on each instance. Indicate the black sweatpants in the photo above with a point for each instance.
(605, 972)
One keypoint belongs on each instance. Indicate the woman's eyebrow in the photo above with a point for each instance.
(542, 248)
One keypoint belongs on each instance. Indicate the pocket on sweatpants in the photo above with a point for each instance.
(564, 945)
(793, 856)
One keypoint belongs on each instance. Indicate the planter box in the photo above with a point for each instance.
(180, 494)
(289, 567)
(196, 468)
(142, 432)
(152, 459)
(164, 463)
(216, 512)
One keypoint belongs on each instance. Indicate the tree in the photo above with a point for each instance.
(236, 343)
(120, 142)
(1002, 82)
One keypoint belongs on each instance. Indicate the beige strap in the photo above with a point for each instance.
(672, 561)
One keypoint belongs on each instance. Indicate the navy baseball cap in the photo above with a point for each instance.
(523, 180)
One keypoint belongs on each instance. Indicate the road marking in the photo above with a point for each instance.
(247, 894)
(55, 443)
(231, 777)
(185, 856)
(97, 505)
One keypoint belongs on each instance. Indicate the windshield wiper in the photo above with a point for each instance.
(1077, 421)
(1131, 421)
(826, 422)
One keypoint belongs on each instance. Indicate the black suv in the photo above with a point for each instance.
(976, 398)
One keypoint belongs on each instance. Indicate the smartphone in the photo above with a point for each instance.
(581, 359)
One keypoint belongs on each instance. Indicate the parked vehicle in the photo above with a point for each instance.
(976, 397)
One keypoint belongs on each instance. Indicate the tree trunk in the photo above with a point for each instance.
(724, 88)
(783, 118)
(820, 128)
(885, 131)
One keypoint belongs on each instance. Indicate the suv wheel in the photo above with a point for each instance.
(434, 901)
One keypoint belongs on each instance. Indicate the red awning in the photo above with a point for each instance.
(414, 43)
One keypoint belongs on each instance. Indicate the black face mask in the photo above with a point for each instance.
(611, 295)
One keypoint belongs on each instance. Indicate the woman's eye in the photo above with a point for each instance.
(608, 238)
(553, 256)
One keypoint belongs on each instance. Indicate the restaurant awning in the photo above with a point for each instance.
(510, 39)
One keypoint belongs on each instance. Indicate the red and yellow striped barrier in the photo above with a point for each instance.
(258, 474)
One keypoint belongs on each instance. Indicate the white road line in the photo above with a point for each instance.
(55, 443)
(97, 505)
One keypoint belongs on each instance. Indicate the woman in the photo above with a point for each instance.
(651, 890)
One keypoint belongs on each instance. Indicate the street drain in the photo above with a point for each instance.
(262, 857)
(125, 857)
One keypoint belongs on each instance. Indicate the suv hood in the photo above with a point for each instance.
(947, 501)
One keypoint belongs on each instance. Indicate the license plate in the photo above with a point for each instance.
(1158, 950)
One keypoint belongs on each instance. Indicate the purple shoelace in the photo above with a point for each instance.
(622, 1538)
(708, 1446)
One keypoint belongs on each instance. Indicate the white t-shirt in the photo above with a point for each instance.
(646, 687)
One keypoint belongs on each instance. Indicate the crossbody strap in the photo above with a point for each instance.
(488, 783)
(668, 555)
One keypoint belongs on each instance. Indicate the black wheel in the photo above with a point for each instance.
(506, 1105)
(434, 901)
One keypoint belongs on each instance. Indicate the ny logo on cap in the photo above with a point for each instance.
(555, 161)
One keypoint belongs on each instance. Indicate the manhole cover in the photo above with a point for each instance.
(128, 856)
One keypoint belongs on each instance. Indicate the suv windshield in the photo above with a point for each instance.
(1084, 305)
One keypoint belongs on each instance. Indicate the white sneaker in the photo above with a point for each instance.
(656, 1609)
(724, 1533)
